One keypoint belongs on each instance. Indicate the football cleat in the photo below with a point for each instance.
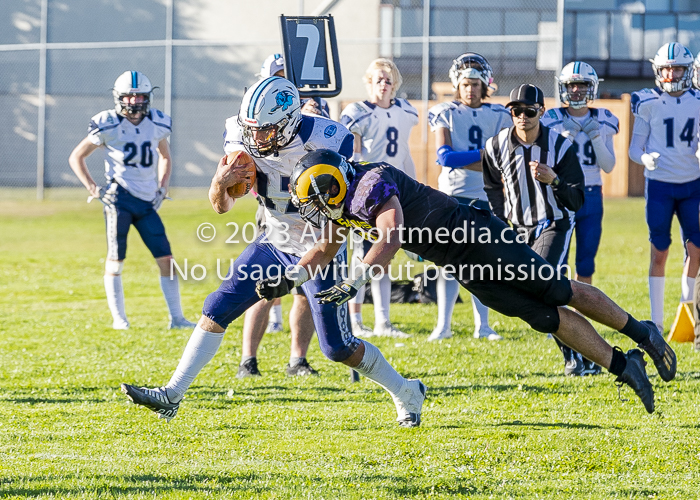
(591, 368)
(273, 327)
(301, 369)
(486, 332)
(636, 377)
(360, 330)
(573, 362)
(388, 330)
(155, 400)
(409, 403)
(249, 368)
(180, 323)
(120, 324)
(660, 352)
(440, 335)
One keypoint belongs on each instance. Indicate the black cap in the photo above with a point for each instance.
(526, 94)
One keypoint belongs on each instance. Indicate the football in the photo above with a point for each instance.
(243, 161)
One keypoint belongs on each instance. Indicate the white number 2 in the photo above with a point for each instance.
(308, 70)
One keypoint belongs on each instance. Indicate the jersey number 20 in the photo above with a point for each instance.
(130, 151)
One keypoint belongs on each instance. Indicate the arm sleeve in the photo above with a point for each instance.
(570, 189)
(604, 152)
(640, 136)
(493, 185)
(447, 157)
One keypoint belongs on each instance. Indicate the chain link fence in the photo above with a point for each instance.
(60, 60)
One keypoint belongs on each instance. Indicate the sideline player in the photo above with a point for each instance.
(381, 126)
(664, 140)
(134, 139)
(272, 129)
(300, 321)
(591, 131)
(401, 210)
(461, 128)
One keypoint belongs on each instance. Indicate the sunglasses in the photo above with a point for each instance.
(529, 112)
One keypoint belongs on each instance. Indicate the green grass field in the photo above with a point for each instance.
(500, 421)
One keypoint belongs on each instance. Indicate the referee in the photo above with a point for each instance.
(533, 180)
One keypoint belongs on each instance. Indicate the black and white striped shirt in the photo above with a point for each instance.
(513, 191)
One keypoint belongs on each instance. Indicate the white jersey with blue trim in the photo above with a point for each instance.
(284, 228)
(469, 129)
(674, 132)
(384, 131)
(131, 151)
(609, 126)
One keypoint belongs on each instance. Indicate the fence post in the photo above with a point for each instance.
(425, 76)
(41, 119)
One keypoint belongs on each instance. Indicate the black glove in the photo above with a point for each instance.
(272, 288)
(338, 294)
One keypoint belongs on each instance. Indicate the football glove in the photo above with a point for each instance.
(591, 128)
(338, 294)
(106, 198)
(650, 160)
(160, 196)
(273, 288)
(571, 126)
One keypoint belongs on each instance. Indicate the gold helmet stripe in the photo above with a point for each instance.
(304, 182)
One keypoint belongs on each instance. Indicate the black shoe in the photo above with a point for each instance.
(155, 400)
(660, 352)
(636, 377)
(590, 368)
(249, 368)
(573, 362)
(301, 369)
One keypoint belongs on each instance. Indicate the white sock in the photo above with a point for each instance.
(171, 292)
(447, 293)
(376, 368)
(481, 313)
(359, 298)
(357, 317)
(115, 297)
(199, 351)
(656, 297)
(275, 314)
(381, 295)
(687, 286)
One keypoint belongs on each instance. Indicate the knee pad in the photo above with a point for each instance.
(560, 293)
(114, 267)
(338, 353)
(547, 321)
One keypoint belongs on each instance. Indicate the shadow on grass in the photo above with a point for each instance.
(452, 390)
(551, 425)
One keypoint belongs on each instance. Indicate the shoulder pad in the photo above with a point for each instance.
(159, 118)
(104, 120)
(441, 108)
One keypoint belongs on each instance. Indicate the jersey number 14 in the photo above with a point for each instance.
(686, 133)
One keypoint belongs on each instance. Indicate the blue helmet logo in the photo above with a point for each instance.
(330, 131)
(284, 99)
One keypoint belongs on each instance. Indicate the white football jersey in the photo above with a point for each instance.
(284, 227)
(674, 132)
(469, 129)
(131, 151)
(609, 126)
(384, 131)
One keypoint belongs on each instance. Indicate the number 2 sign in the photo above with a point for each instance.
(311, 55)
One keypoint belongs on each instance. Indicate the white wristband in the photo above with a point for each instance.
(356, 156)
(298, 274)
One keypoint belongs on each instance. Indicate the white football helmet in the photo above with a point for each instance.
(578, 72)
(270, 116)
(130, 83)
(273, 64)
(673, 54)
(471, 65)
